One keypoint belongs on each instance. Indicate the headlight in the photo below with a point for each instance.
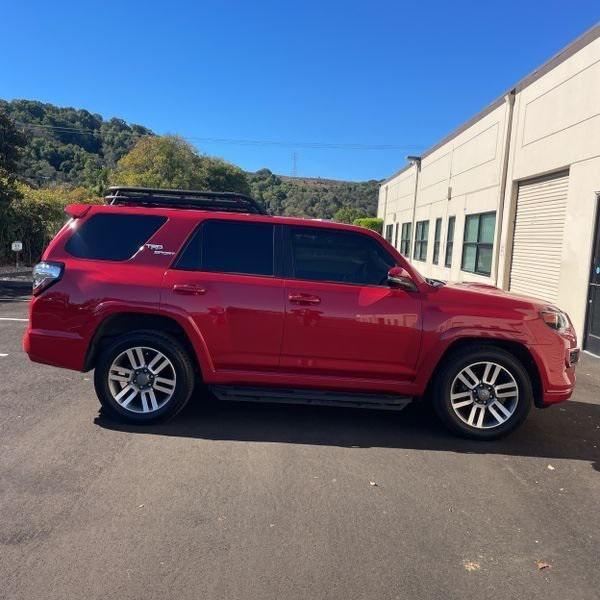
(45, 274)
(555, 318)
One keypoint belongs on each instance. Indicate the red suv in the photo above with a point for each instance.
(160, 289)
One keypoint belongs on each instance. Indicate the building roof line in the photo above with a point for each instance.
(581, 42)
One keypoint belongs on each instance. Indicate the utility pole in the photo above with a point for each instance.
(294, 164)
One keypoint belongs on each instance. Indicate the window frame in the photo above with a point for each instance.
(406, 242)
(389, 233)
(288, 255)
(450, 242)
(421, 242)
(478, 244)
(437, 236)
(278, 269)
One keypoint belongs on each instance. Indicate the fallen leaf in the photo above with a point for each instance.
(541, 565)
(470, 565)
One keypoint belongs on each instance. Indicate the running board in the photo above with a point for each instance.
(313, 397)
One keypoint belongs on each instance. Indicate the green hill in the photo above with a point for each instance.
(73, 147)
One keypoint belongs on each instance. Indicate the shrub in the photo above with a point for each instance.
(370, 223)
(34, 217)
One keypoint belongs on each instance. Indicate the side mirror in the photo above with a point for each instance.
(399, 277)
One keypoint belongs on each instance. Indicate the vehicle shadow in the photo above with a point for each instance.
(570, 430)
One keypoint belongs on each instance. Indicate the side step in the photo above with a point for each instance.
(306, 396)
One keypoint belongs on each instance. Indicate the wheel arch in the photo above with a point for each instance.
(119, 323)
(517, 349)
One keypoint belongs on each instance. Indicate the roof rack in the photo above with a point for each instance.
(194, 199)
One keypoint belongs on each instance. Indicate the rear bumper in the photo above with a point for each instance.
(56, 348)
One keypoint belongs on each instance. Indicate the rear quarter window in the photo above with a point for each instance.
(112, 237)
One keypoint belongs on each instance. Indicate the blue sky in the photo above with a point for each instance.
(355, 72)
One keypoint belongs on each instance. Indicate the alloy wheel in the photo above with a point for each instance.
(484, 395)
(142, 379)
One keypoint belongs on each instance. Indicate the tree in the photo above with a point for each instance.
(171, 162)
(69, 146)
(11, 143)
(160, 161)
(35, 216)
(221, 176)
(348, 214)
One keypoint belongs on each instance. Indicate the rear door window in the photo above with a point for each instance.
(112, 236)
(230, 247)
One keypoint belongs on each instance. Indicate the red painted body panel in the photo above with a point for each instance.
(258, 330)
(353, 331)
(240, 317)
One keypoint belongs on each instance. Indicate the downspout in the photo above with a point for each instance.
(416, 161)
(385, 207)
(510, 101)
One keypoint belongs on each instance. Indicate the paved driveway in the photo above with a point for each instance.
(257, 502)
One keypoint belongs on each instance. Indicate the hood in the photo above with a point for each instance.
(492, 292)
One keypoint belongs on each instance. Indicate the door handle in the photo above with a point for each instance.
(304, 299)
(189, 289)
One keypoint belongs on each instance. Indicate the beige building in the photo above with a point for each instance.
(511, 197)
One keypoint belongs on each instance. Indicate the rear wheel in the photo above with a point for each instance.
(144, 377)
(484, 393)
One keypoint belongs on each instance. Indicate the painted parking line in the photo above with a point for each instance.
(13, 319)
(2, 355)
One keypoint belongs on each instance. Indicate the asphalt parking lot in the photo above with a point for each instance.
(235, 501)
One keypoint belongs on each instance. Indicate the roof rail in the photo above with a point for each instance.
(193, 199)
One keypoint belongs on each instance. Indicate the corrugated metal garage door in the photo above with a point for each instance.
(538, 236)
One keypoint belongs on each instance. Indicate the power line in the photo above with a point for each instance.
(245, 142)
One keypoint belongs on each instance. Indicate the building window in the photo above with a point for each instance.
(478, 243)
(421, 237)
(405, 239)
(389, 232)
(396, 235)
(436, 241)
(449, 242)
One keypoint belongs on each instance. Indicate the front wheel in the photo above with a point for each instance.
(483, 393)
(144, 377)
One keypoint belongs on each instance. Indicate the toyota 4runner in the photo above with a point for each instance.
(160, 289)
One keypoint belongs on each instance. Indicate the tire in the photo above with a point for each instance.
(491, 408)
(144, 377)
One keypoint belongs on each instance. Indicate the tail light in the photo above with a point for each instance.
(45, 274)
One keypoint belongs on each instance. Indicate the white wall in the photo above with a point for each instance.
(555, 126)
(470, 165)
